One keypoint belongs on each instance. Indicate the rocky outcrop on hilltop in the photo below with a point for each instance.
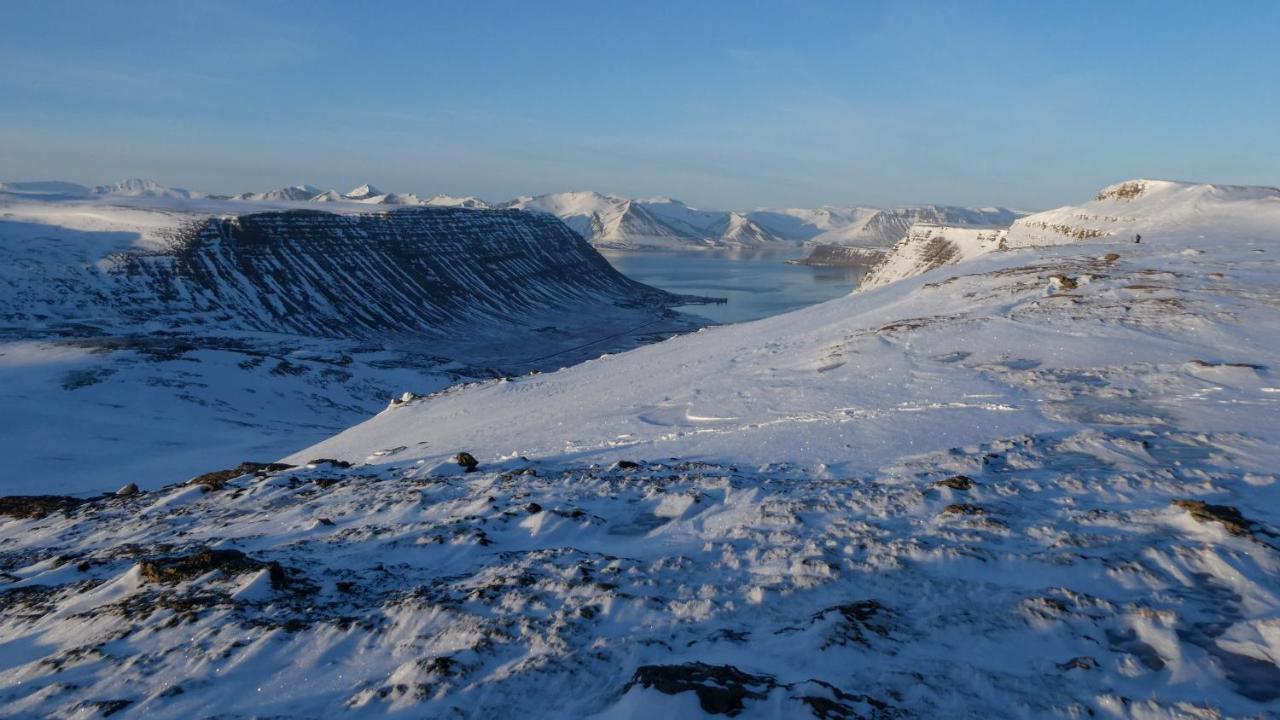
(926, 247)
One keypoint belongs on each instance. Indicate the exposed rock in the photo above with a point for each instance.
(1229, 517)
(627, 465)
(720, 688)
(413, 270)
(218, 478)
(1123, 191)
(1084, 662)
(842, 256)
(828, 702)
(467, 461)
(956, 482)
(128, 490)
(106, 708)
(856, 620)
(1111, 257)
(179, 568)
(1062, 281)
(340, 464)
(533, 508)
(37, 506)
(964, 509)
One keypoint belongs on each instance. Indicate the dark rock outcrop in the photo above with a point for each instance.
(178, 568)
(409, 271)
(37, 506)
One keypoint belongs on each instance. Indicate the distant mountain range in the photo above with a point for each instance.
(610, 221)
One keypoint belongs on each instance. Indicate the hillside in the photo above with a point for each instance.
(982, 490)
(842, 256)
(927, 246)
(1159, 210)
(244, 336)
(865, 236)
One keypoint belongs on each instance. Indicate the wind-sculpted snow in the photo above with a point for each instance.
(1037, 575)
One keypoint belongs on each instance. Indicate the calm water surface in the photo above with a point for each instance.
(756, 284)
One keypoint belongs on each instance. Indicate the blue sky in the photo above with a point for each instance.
(721, 104)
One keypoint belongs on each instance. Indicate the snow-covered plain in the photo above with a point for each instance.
(1041, 482)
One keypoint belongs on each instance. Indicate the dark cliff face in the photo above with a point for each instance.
(249, 337)
(842, 256)
(408, 271)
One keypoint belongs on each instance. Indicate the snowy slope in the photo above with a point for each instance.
(881, 228)
(807, 223)
(129, 351)
(878, 230)
(1156, 209)
(927, 246)
(977, 492)
(1121, 213)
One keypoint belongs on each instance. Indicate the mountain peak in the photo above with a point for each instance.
(364, 191)
(138, 187)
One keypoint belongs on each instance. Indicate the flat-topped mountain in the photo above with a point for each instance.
(234, 336)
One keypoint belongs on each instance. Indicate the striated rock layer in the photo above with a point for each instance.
(409, 271)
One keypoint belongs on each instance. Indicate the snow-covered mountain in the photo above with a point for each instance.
(464, 201)
(927, 246)
(1155, 209)
(615, 222)
(807, 223)
(243, 335)
(143, 188)
(847, 256)
(882, 228)
(295, 193)
(364, 192)
(53, 189)
(611, 221)
(830, 230)
(1040, 482)
(1121, 213)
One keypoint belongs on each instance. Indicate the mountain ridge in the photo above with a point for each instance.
(616, 222)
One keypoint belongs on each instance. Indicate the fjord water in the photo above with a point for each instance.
(756, 284)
